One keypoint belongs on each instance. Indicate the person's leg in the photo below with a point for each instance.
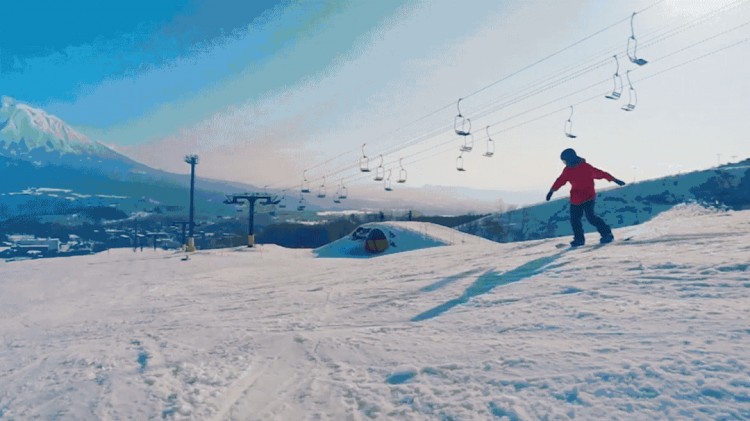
(576, 213)
(604, 230)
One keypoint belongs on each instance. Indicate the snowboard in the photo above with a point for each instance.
(591, 246)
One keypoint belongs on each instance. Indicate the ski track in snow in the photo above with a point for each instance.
(650, 328)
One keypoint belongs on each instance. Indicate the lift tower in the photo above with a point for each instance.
(251, 198)
(183, 225)
(193, 161)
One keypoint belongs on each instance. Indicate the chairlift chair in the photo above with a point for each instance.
(305, 183)
(387, 182)
(401, 172)
(342, 192)
(461, 124)
(634, 42)
(322, 189)
(460, 163)
(490, 145)
(301, 203)
(380, 171)
(468, 143)
(282, 203)
(364, 161)
(632, 95)
(616, 91)
(569, 125)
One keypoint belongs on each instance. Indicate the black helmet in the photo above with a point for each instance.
(570, 157)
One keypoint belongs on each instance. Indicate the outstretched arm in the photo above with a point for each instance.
(599, 174)
(561, 180)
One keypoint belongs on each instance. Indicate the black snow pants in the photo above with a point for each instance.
(576, 214)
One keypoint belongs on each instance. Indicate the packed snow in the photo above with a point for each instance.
(653, 327)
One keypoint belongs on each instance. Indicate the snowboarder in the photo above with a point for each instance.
(581, 177)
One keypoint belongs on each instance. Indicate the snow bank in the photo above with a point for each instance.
(398, 237)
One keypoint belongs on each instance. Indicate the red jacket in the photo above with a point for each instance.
(581, 178)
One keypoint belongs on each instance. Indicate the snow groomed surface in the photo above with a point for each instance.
(652, 328)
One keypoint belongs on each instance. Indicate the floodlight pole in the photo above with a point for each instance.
(251, 198)
(193, 161)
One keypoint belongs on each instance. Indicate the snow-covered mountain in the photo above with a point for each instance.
(41, 151)
(725, 186)
(30, 133)
(655, 328)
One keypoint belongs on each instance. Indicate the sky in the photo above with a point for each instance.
(264, 90)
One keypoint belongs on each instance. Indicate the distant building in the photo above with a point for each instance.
(36, 247)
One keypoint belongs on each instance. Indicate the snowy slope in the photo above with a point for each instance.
(646, 329)
(633, 204)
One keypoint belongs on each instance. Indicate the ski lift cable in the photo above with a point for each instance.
(385, 134)
(431, 134)
(548, 85)
(662, 37)
(704, 40)
(593, 97)
(561, 80)
(436, 149)
(712, 37)
(655, 60)
(586, 38)
(694, 59)
(328, 161)
(596, 65)
(674, 67)
(564, 79)
(354, 179)
(671, 32)
(414, 141)
(527, 67)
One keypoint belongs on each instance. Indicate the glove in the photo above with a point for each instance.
(619, 182)
(549, 195)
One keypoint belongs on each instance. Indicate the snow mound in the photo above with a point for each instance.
(672, 220)
(379, 238)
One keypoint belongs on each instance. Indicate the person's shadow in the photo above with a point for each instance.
(490, 280)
